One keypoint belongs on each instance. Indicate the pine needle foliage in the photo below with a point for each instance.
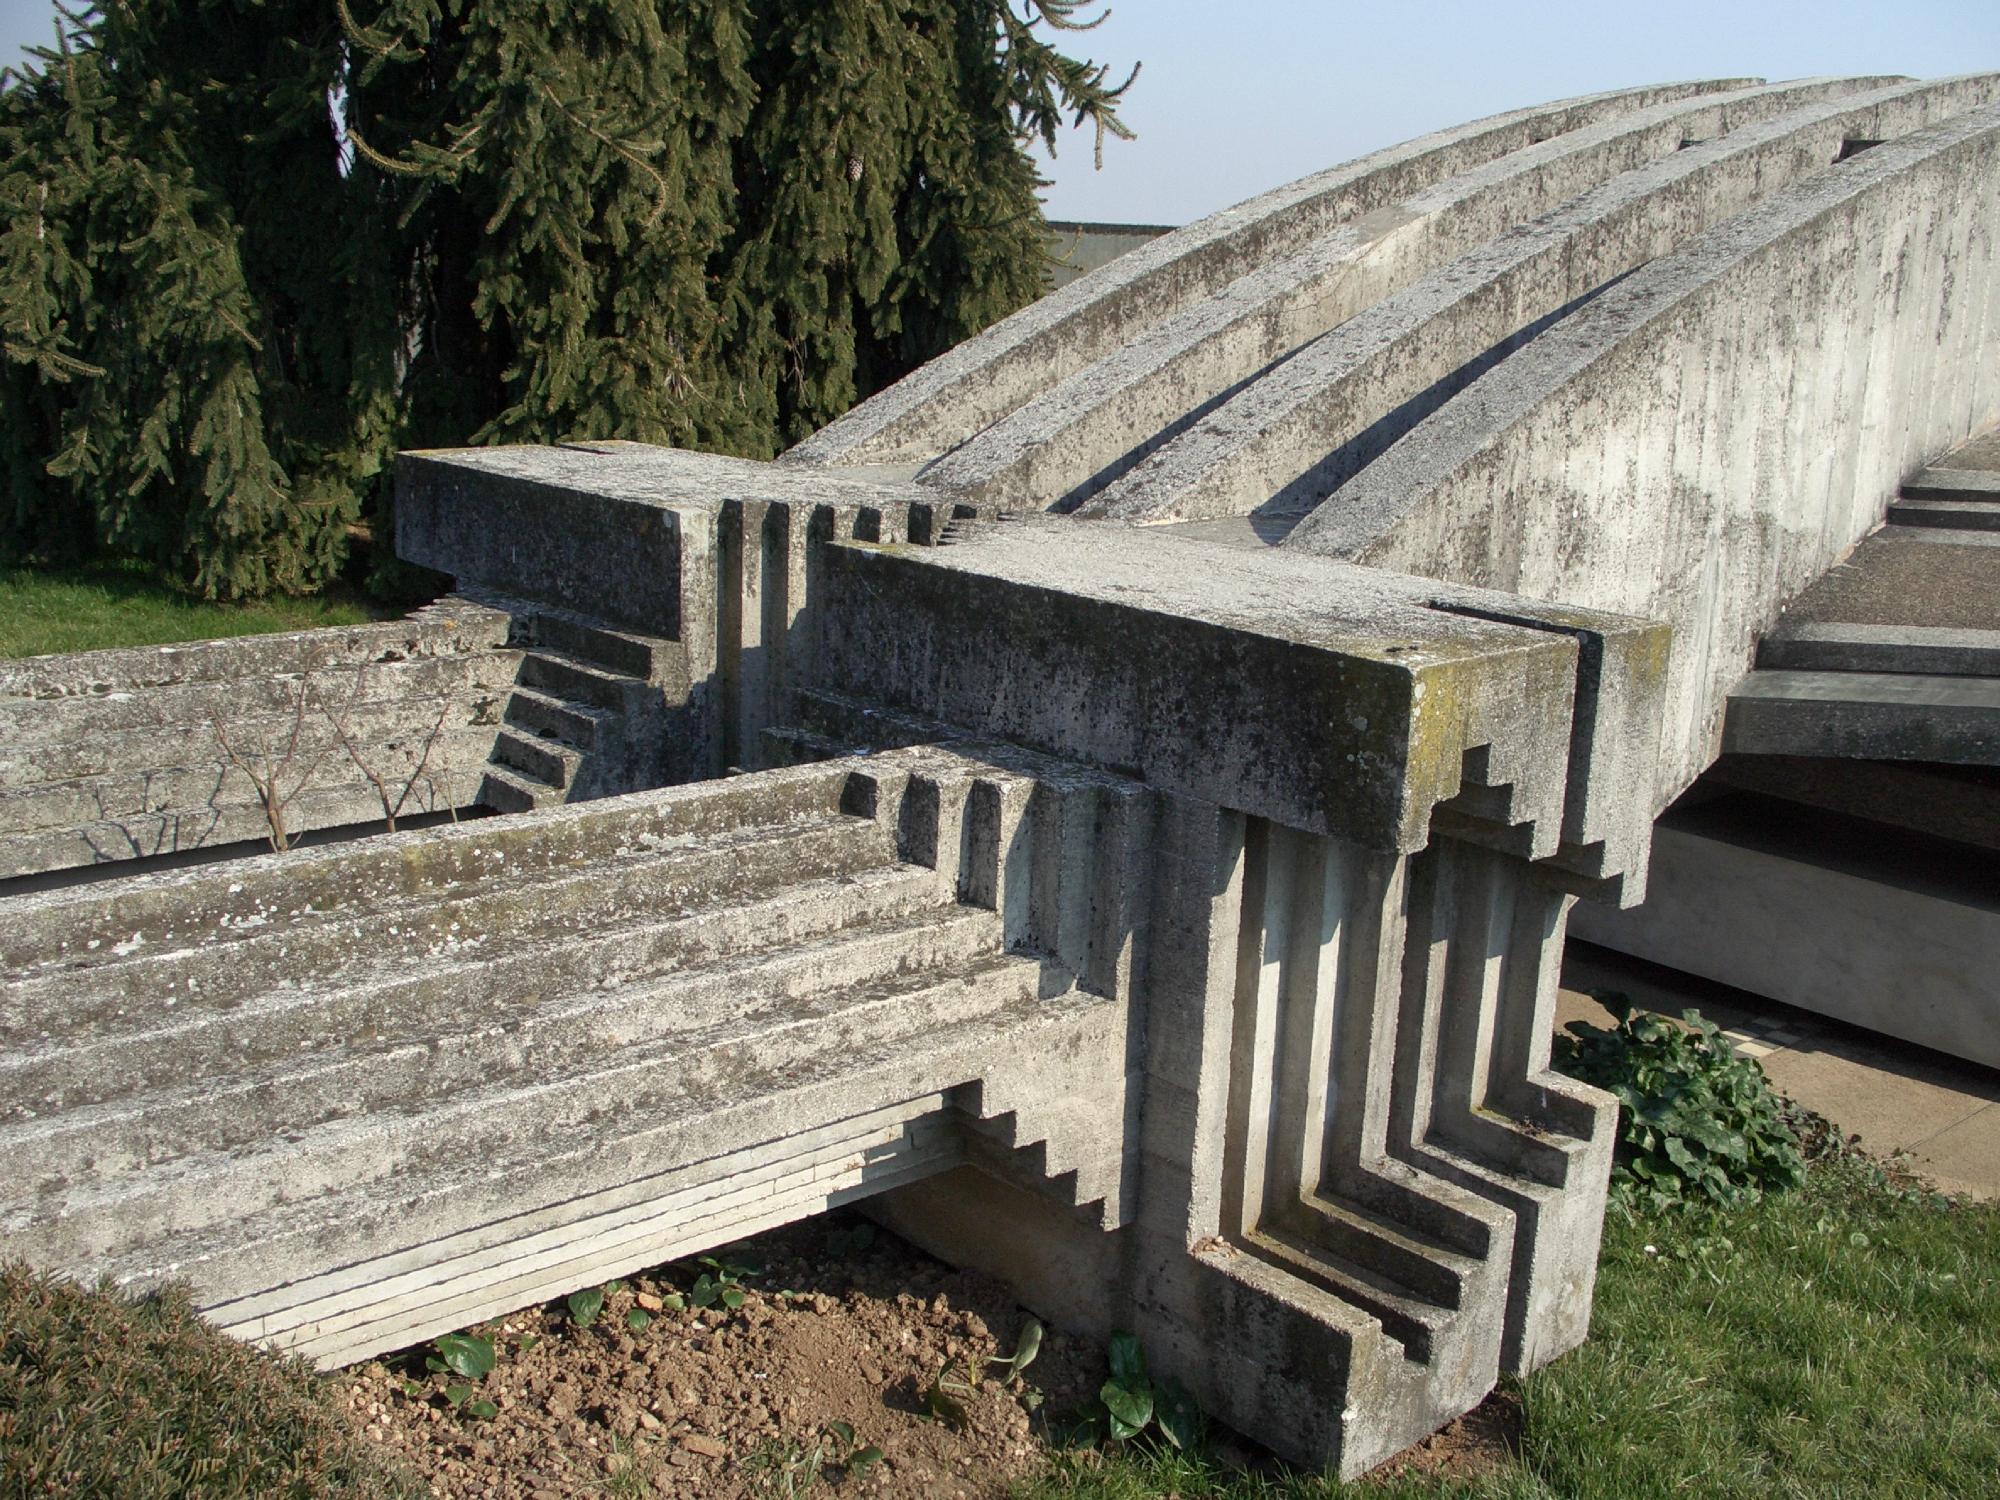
(251, 247)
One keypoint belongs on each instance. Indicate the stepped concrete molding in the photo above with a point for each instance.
(1114, 801)
(118, 755)
(469, 704)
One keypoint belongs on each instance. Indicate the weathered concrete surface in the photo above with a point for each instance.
(493, 701)
(1166, 920)
(969, 387)
(1283, 443)
(358, 1098)
(1701, 441)
(1860, 800)
(1079, 434)
(114, 755)
(1842, 918)
(1388, 787)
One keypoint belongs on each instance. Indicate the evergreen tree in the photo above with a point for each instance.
(251, 246)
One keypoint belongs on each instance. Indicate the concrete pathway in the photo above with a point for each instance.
(1897, 1097)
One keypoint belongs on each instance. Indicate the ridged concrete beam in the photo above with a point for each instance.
(1079, 434)
(1285, 442)
(995, 372)
(1701, 441)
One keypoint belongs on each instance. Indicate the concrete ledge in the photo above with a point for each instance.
(1902, 649)
(1757, 912)
(1940, 483)
(1866, 715)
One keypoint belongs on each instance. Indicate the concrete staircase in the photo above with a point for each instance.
(584, 717)
(1895, 655)
(365, 1094)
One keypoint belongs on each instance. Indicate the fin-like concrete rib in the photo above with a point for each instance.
(991, 374)
(1076, 435)
(1288, 440)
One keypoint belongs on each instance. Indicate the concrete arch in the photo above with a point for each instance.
(967, 388)
(1285, 442)
(1080, 432)
(1707, 437)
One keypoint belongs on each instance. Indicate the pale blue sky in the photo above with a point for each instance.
(1240, 95)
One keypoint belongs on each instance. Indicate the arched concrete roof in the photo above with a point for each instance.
(1665, 352)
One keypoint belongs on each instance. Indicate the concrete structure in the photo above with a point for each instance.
(1075, 248)
(1135, 776)
(1840, 857)
(469, 704)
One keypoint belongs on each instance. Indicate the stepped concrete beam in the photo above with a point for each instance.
(1706, 437)
(117, 755)
(360, 1099)
(1078, 435)
(1326, 824)
(997, 371)
(1283, 443)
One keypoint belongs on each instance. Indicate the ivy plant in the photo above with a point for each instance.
(1698, 1123)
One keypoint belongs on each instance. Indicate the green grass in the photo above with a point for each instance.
(1841, 1340)
(106, 604)
(104, 1396)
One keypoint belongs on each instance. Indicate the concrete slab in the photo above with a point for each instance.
(1869, 715)
(1983, 452)
(1894, 578)
(1898, 1097)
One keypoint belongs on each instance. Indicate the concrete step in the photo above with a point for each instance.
(1960, 513)
(242, 1105)
(349, 1274)
(579, 680)
(1414, 1322)
(159, 1021)
(211, 905)
(579, 724)
(1396, 1249)
(1866, 715)
(507, 790)
(452, 627)
(1941, 484)
(530, 913)
(491, 1131)
(537, 758)
(1918, 650)
(538, 626)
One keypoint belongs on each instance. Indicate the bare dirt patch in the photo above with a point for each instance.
(834, 1328)
(1485, 1439)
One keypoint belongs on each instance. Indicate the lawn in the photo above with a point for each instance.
(125, 604)
(1840, 1340)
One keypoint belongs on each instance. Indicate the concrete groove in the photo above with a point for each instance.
(1163, 917)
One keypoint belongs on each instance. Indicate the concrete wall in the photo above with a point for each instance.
(1704, 439)
(118, 755)
(1836, 916)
